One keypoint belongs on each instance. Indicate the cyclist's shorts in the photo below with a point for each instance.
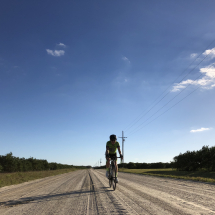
(112, 155)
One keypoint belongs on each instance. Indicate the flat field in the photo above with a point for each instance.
(172, 173)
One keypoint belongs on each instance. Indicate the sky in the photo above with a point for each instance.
(74, 72)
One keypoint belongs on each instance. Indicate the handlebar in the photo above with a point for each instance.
(114, 158)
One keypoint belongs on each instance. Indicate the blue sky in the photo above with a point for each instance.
(74, 72)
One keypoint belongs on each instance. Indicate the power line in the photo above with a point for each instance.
(168, 109)
(141, 116)
(134, 131)
(167, 103)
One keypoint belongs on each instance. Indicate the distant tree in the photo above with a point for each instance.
(159, 165)
(168, 165)
(212, 158)
(138, 165)
(131, 165)
(195, 160)
(144, 166)
(9, 163)
(53, 166)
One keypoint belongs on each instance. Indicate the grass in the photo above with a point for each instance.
(203, 176)
(7, 179)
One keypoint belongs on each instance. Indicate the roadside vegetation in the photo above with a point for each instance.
(203, 176)
(132, 165)
(193, 165)
(10, 163)
(7, 179)
(15, 170)
(203, 159)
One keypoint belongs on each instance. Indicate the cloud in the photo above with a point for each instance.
(126, 59)
(206, 82)
(210, 52)
(200, 130)
(56, 53)
(62, 45)
(193, 55)
(119, 81)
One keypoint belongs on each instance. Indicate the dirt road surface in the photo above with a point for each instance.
(88, 192)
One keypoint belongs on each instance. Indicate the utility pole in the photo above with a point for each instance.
(100, 162)
(123, 140)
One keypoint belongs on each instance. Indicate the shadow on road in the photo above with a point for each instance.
(50, 197)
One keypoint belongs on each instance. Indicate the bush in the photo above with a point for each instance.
(196, 160)
(9, 163)
(131, 165)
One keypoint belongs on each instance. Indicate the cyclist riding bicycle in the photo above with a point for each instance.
(111, 147)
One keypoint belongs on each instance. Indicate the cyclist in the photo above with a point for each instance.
(111, 148)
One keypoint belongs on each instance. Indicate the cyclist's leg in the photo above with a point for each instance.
(108, 160)
(116, 167)
(107, 163)
(107, 166)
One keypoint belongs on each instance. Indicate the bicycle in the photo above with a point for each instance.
(112, 173)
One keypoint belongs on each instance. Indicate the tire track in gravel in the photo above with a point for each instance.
(131, 207)
(200, 190)
(88, 192)
(164, 197)
(55, 196)
(198, 194)
(147, 204)
(31, 187)
(106, 201)
(27, 187)
(44, 198)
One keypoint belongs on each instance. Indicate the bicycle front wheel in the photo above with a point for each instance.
(110, 177)
(114, 177)
(110, 182)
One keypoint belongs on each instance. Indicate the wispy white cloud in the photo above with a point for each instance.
(206, 82)
(210, 52)
(193, 55)
(55, 53)
(62, 45)
(119, 81)
(200, 130)
(126, 59)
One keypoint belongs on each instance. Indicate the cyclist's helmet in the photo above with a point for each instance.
(113, 137)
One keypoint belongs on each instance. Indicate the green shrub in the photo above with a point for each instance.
(203, 159)
(9, 163)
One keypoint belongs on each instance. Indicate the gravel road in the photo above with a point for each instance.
(87, 192)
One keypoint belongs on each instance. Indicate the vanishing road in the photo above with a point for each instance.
(87, 192)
